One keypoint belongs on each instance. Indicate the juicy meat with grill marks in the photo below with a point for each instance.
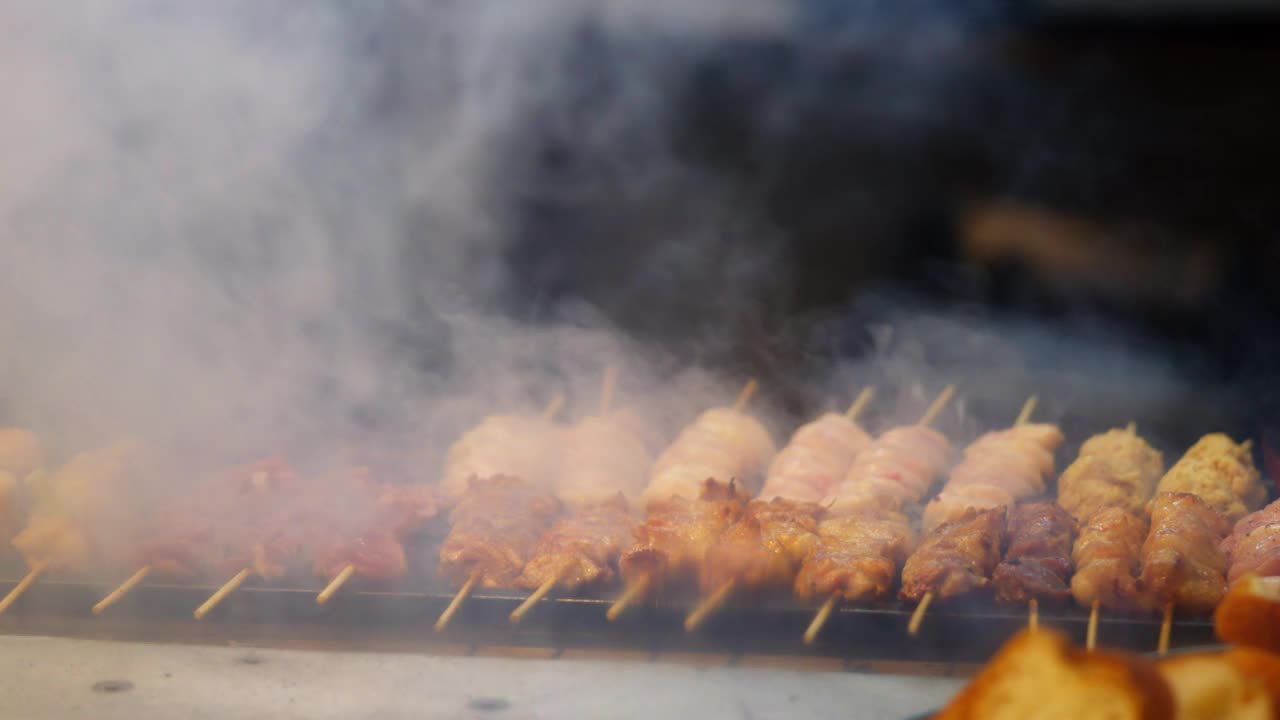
(1108, 555)
(1220, 472)
(493, 529)
(999, 469)
(856, 557)
(1254, 545)
(1182, 562)
(581, 549)
(1114, 469)
(1037, 562)
(956, 558)
(817, 457)
(672, 543)
(894, 474)
(723, 444)
(764, 548)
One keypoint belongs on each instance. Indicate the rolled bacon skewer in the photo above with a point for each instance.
(818, 455)
(766, 546)
(1253, 547)
(522, 446)
(1107, 556)
(999, 469)
(698, 480)
(861, 547)
(1182, 562)
(725, 444)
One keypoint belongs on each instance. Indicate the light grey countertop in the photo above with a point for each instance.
(45, 677)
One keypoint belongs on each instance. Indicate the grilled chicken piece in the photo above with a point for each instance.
(581, 549)
(956, 558)
(1037, 562)
(493, 529)
(1114, 469)
(1182, 562)
(672, 543)
(1220, 472)
(764, 548)
(525, 446)
(818, 456)
(1108, 556)
(856, 557)
(894, 474)
(999, 469)
(723, 444)
(1254, 545)
(604, 455)
(79, 510)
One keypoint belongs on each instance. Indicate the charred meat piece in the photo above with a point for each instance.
(672, 543)
(1037, 563)
(764, 548)
(1108, 555)
(856, 557)
(1182, 562)
(956, 558)
(494, 529)
(581, 549)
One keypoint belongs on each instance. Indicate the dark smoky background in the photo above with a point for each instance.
(242, 227)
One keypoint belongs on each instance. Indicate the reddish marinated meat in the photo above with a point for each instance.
(857, 557)
(1107, 556)
(673, 541)
(581, 549)
(1254, 544)
(764, 548)
(494, 529)
(956, 558)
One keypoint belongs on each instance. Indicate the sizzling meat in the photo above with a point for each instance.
(856, 557)
(1107, 555)
(722, 444)
(1114, 469)
(764, 548)
(894, 474)
(673, 540)
(1182, 562)
(1220, 472)
(581, 549)
(494, 529)
(1037, 563)
(956, 558)
(818, 456)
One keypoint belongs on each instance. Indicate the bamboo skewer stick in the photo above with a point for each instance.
(917, 617)
(1091, 634)
(518, 614)
(628, 596)
(861, 402)
(824, 613)
(26, 582)
(553, 407)
(334, 585)
(820, 619)
(935, 408)
(1166, 629)
(114, 596)
(744, 395)
(456, 602)
(227, 588)
(1033, 615)
(709, 605)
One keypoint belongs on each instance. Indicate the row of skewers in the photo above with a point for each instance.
(841, 516)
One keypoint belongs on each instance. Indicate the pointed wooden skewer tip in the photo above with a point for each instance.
(1131, 428)
(935, 408)
(860, 403)
(1091, 634)
(744, 396)
(628, 596)
(518, 614)
(456, 602)
(227, 588)
(1033, 615)
(114, 596)
(1028, 407)
(335, 584)
(708, 606)
(917, 617)
(26, 582)
(1166, 629)
(820, 619)
(553, 407)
